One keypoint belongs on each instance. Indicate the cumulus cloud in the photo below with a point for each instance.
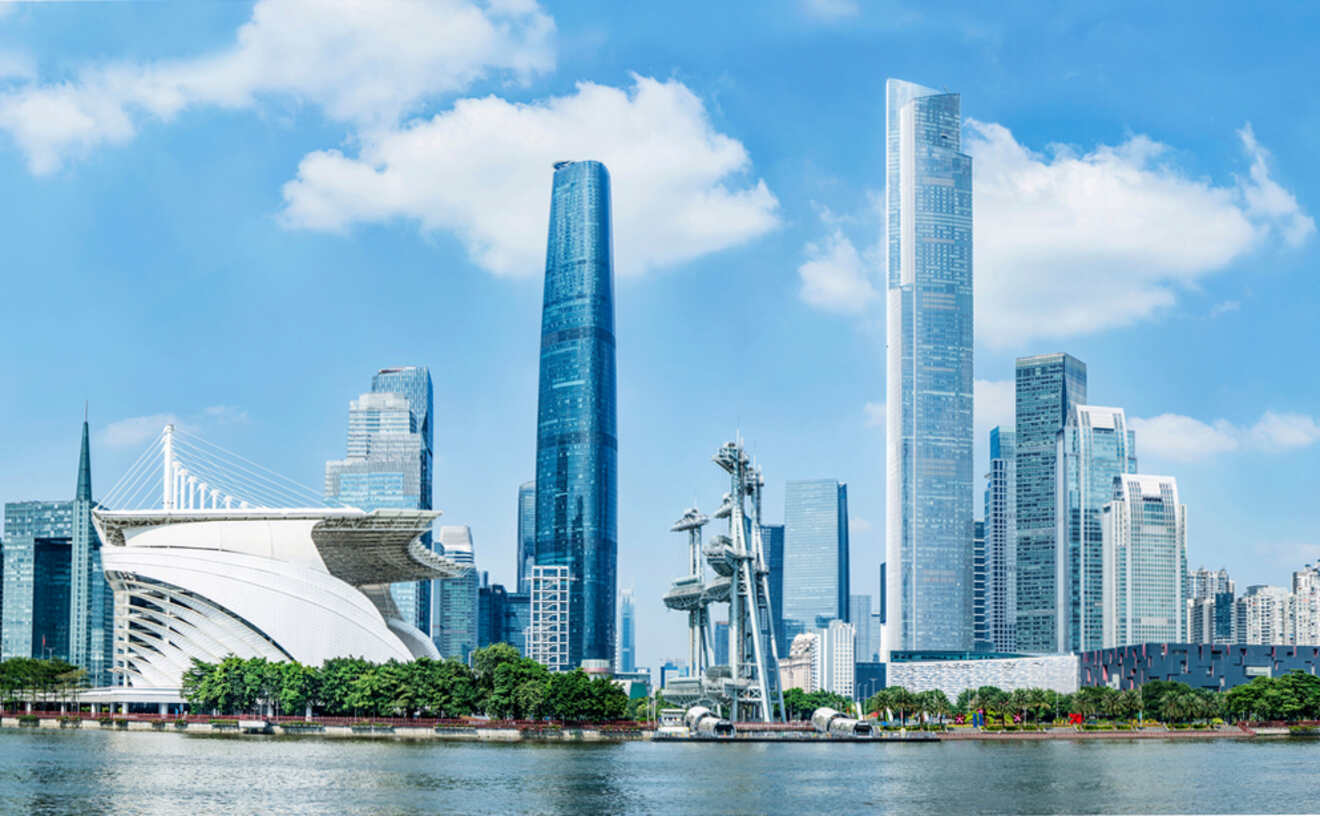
(1185, 439)
(482, 170)
(834, 277)
(1121, 220)
(831, 9)
(364, 64)
(135, 432)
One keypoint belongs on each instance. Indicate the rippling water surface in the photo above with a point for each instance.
(132, 773)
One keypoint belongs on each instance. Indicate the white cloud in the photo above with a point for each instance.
(995, 404)
(1184, 439)
(834, 278)
(482, 170)
(1225, 307)
(875, 414)
(1069, 243)
(226, 414)
(15, 65)
(365, 64)
(135, 432)
(858, 526)
(831, 9)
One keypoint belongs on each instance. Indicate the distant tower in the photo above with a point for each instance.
(526, 534)
(454, 623)
(816, 586)
(91, 646)
(1001, 541)
(627, 633)
(928, 447)
(577, 437)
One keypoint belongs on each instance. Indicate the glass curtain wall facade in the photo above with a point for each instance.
(859, 615)
(38, 541)
(928, 231)
(526, 533)
(772, 539)
(454, 614)
(389, 464)
(627, 633)
(980, 590)
(1048, 387)
(815, 553)
(1094, 448)
(1001, 542)
(577, 437)
(91, 602)
(1144, 529)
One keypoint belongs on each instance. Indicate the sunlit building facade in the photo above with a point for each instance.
(526, 533)
(1048, 387)
(928, 193)
(453, 623)
(1094, 449)
(577, 438)
(1001, 542)
(815, 554)
(1144, 562)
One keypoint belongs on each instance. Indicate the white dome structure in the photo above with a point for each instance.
(302, 584)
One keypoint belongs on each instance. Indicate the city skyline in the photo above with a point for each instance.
(224, 227)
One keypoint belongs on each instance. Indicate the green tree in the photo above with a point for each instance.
(336, 684)
(502, 700)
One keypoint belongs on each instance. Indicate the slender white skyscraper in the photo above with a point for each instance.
(1144, 562)
(928, 372)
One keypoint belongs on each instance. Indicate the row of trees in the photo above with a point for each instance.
(31, 680)
(499, 683)
(1293, 696)
(799, 705)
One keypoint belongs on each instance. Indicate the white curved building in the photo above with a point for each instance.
(284, 584)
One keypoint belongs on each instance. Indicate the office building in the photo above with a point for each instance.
(1095, 447)
(389, 462)
(980, 590)
(37, 566)
(836, 658)
(454, 617)
(548, 629)
(1001, 542)
(1048, 388)
(859, 615)
(577, 438)
(928, 233)
(1144, 569)
(627, 633)
(772, 540)
(526, 533)
(815, 553)
(720, 644)
(492, 612)
(518, 620)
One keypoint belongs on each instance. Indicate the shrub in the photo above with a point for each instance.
(219, 723)
(28, 720)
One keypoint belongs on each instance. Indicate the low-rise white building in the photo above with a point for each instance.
(955, 675)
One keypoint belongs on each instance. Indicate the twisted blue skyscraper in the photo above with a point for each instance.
(928, 371)
(576, 436)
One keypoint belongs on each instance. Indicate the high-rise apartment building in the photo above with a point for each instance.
(836, 658)
(815, 554)
(1306, 605)
(453, 624)
(526, 533)
(1144, 563)
(1094, 448)
(389, 462)
(1001, 542)
(1263, 616)
(627, 632)
(1048, 387)
(928, 453)
(577, 437)
(548, 628)
(772, 540)
(1210, 615)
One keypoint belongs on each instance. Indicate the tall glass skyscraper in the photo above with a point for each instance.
(91, 607)
(526, 534)
(627, 633)
(928, 372)
(454, 615)
(576, 435)
(1144, 528)
(38, 545)
(772, 540)
(1001, 541)
(981, 641)
(1048, 387)
(389, 462)
(815, 554)
(1095, 447)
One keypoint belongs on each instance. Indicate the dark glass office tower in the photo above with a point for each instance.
(1049, 387)
(576, 437)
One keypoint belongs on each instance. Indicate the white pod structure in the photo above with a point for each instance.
(702, 722)
(828, 721)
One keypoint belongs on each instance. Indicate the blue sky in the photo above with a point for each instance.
(231, 215)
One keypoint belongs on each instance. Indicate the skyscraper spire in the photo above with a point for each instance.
(84, 490)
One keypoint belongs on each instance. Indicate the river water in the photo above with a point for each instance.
(166, 773)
